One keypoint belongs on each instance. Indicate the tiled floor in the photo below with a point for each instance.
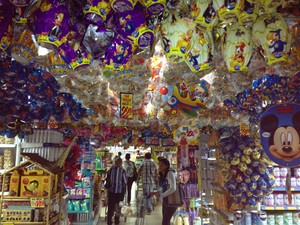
(154, 218)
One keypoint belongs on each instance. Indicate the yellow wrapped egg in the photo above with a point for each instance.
(204, 14)
(248, 13)
(200, 56)
(176, 38)
(270, 6)
(228, 10)
(270, 34)
(238, 48)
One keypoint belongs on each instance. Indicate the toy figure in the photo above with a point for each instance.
(238, 59)
(183, 89)
(276, 43)
(55, 31)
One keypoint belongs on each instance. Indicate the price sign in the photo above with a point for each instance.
(37, 202)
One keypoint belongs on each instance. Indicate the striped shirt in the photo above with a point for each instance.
(118, 179)
(149, 171)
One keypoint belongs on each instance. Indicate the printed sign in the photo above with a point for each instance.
(126, 109)
(280, 134)
(37, 202)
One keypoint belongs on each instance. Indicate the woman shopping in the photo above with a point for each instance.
(167, 183)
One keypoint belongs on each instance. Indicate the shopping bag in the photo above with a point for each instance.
(176, 198)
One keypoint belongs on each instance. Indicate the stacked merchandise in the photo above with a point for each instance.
(46, 143)
(9, 159)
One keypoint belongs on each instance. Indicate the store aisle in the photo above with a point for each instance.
(154, 218)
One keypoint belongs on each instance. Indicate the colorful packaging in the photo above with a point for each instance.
(200, 56)
(278, 219)
(296, 218)
(239, 218)
(279, 199)
(204, 14)
(51, 23)
(270, 219)
(96, 11)
(283, 172)
(278, 182)
(271, 36)
(297, 172)
(293, 182)
(269, 200)
(14, 184)
(286, 200)
(176, 38)
(122, 6)
(133, 27)
(288, 218)
(154, 7)
(258, 218)
(248, 13)
(276, 172)
(237, 51)
(297, 199)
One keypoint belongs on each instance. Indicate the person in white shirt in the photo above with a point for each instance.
(167, 183)
(129, 167)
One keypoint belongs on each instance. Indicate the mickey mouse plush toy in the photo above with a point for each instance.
(284, 140)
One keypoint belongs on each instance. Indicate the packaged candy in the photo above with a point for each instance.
(132, 26)
(248, 13)
(200, 56)
(204, 14)
(228, 11)
(74, 55)
(176, 38)
(122, 6)
(118, 54)
(154, 7)
(6, 31)
(96, 11)
(51, 23)
(270, 6)
(272, 38)
(238, 48)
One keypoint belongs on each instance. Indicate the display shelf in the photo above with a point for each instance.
(8, 145)
(280, 208)
(41, 145)
(284, 189)
(226, 215)
(75, 212)
(16, 222)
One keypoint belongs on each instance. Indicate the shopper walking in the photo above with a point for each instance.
(130, 169)
(116, 184)
(148, 172)
(167, 183)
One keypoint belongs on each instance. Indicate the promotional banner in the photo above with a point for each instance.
(280, 131)
(126, 100)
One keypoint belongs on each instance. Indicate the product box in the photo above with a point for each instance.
(14, 184)
(38, 186)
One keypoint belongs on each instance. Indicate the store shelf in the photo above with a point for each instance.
(16, 222)
(75, 212)
(280, 208)
(226, 215)
(41, 145)
(7, 145)
(284, 189)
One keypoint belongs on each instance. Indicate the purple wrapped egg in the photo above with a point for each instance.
(118, 54)
(132, 26)
(154, 7)
(5, 26)
(20, 3)
(74, 55)
(51, 24)
(122, 6)
(96, 11)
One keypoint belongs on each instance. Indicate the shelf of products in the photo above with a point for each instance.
(32, 192)
(280, 208)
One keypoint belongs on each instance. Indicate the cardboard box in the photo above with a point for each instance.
(38, 186)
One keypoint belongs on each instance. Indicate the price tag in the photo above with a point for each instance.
(37, 202)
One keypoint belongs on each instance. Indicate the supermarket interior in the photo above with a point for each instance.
(211, 87)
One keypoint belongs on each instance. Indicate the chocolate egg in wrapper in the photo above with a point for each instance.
(238, 48)
(271, 36)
